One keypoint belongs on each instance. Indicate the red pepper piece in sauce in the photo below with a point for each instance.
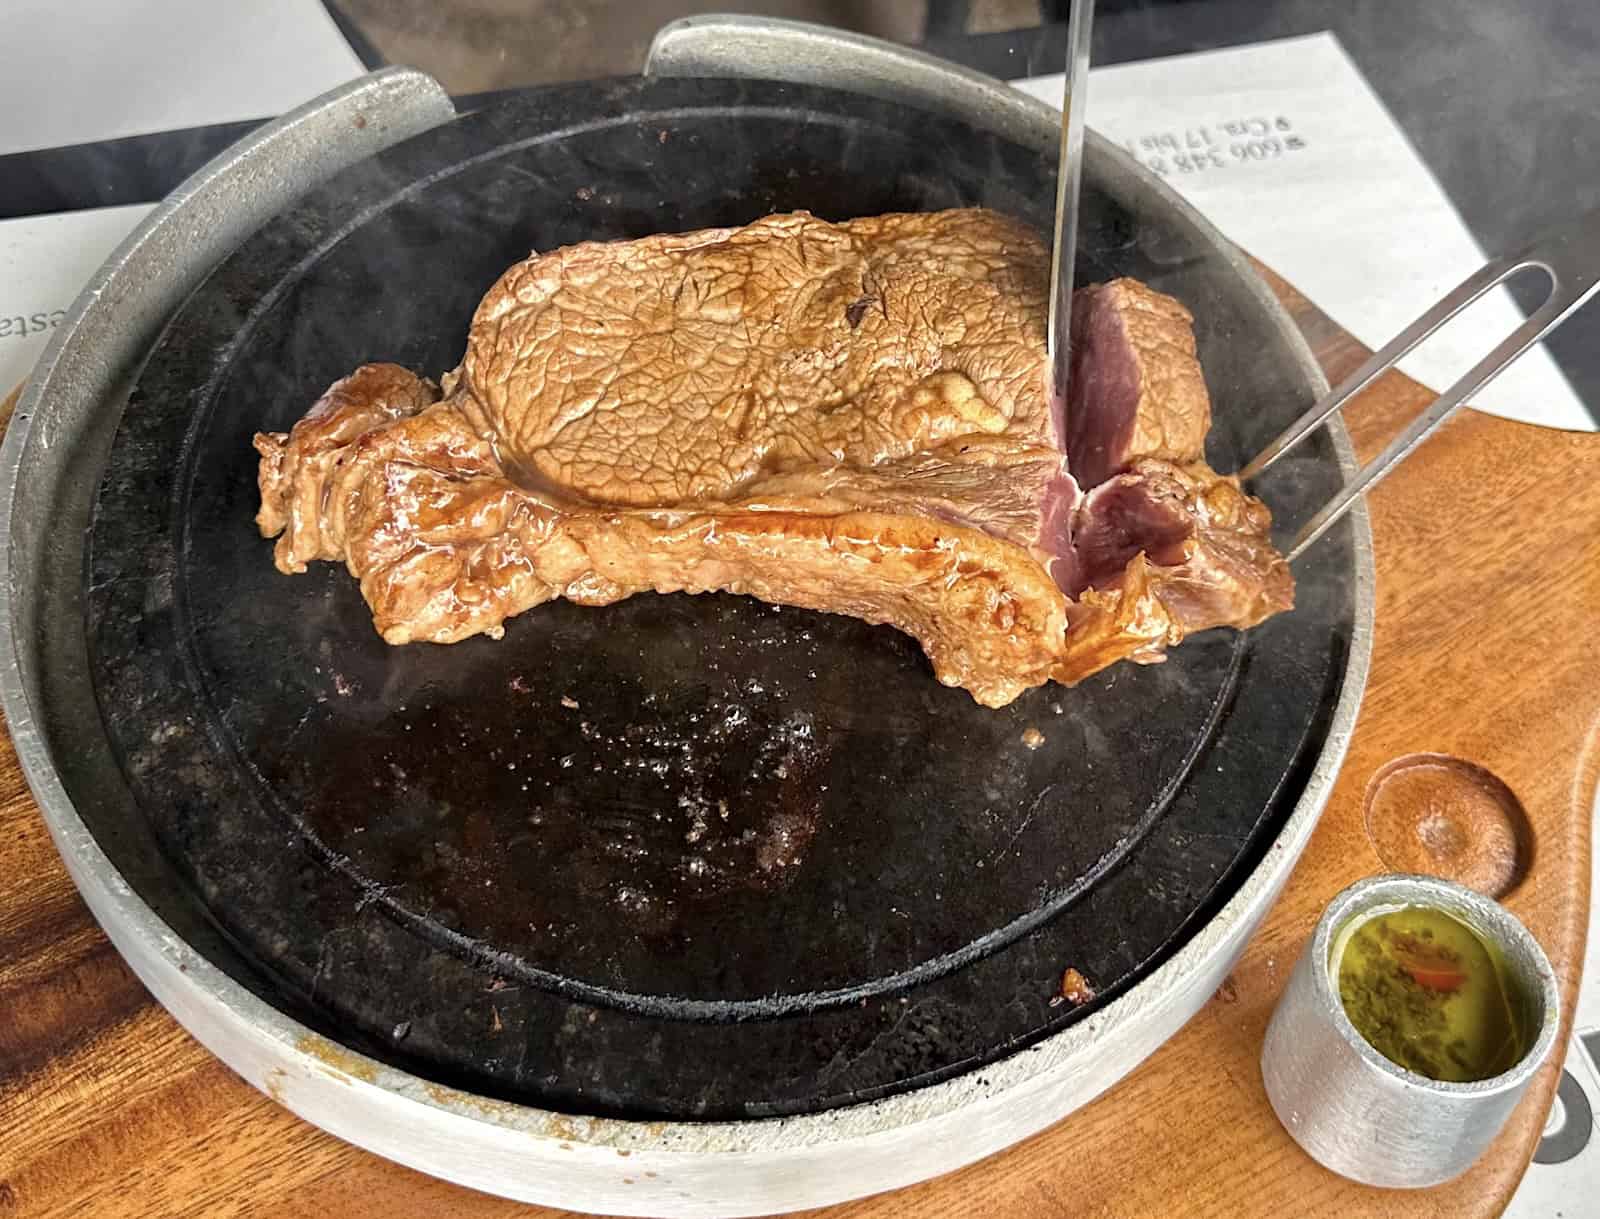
(1428, 964)
(1437, 979)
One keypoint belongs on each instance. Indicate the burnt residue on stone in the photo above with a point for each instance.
(681, 856)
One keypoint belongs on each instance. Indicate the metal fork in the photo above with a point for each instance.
(1569, 256)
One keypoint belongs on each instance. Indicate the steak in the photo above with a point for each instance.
(847, 417)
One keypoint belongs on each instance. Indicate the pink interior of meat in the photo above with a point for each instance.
(1103, 391)
(1061, 499)
(1095, 527)
(1115, 522)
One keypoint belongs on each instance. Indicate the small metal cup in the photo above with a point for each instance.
(1353, 1110)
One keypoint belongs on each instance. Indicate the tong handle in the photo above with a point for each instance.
(1569, 257)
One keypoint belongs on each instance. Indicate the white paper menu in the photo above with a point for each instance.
(78, 71)
(44, 261)
(106, 69)
(1285, 148)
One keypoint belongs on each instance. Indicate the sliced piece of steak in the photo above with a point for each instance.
(848, 417)
(1136, 387)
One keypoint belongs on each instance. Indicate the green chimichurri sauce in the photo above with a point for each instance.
(1430, 994)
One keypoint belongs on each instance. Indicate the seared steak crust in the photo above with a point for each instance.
(847, 417)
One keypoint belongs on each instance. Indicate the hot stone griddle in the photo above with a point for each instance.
(682, 856)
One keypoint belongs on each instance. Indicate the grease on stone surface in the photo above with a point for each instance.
(587, 821)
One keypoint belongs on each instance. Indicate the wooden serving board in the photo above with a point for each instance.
(1488, 561)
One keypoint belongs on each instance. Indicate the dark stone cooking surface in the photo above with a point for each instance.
(692, 856)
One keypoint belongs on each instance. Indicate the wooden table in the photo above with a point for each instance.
(1488, 547)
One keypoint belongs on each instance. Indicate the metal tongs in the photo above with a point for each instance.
(1075, 95)
(1569, 257)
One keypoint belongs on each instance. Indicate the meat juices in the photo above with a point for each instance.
(847, 417)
